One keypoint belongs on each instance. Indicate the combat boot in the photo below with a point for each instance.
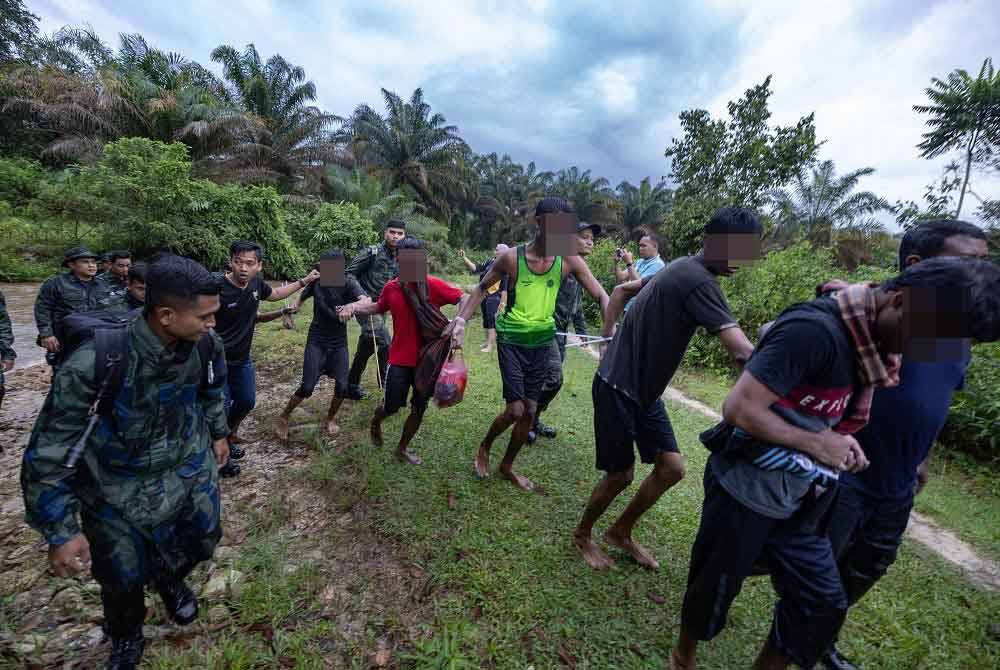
(126, 652)
(180, 601)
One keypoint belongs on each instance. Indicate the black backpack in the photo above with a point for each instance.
(109, 331)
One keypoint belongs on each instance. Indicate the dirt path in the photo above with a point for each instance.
(978, 569)
(361, 591)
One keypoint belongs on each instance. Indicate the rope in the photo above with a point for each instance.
(378, 368)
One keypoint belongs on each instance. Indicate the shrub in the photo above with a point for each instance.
(975, 411)
(330, 225)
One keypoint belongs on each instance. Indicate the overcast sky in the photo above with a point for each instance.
(600, 85)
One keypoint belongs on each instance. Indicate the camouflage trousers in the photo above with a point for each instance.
(126, 556)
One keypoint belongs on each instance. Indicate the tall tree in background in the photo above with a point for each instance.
(964, 115)
(820, 202)
(644, 206)
(18, 29)
(592, 197)
(409, 146)
(734, 162)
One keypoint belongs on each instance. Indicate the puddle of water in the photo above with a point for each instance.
(21, 307)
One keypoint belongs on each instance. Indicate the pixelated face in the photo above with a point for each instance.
(189, 321)
(121, 267)
(647, 248)
(412, 265)
(137, 289)
(331, 272)
(84, 268)
(393, 236)
(558, 234)
(726, 253)
(585, 242)
(245, 266)
(926, 323)
(965, 246)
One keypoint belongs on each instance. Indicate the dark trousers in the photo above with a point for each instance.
(553, 376)
(240, 391)
(865, 534)
(373, 324)
(731, 538)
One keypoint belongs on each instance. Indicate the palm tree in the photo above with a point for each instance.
(289, 136)
(964, 114)
(820, 203)
(593, 198)
(409, 147)
(643, 206)
(367, 192)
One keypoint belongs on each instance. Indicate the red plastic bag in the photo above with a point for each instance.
(450, 387)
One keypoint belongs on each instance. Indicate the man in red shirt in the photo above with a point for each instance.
(404, 352)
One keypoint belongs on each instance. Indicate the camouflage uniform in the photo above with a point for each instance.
(115, 288)
(146, 489)
(7, 352)
(63, 294)
(373, 268)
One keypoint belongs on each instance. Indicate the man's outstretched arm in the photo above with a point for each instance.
(616, 304)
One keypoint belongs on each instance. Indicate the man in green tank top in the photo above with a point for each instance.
(526, 329)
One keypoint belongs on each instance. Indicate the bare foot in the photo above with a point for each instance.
(332, 428)
(280, 428)
(482, 464)
(517, 480)
(677, 664)
(641, 555)
(592, 554)
(407, 456)
(376, 434)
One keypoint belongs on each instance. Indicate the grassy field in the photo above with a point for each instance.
(510, 592)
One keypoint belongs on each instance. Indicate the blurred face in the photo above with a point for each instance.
(188, 321)
(121, 267)
(84, 268)
(105, 266)
(647, 248)
(585, 242)
(393, 236)
(245, 267)
(137, 289)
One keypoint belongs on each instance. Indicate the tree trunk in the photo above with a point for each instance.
(965, 182)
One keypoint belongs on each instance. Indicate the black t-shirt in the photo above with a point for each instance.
(235, 320)
(807, 359)
(651, 340)
(327, 299)
(483, 268)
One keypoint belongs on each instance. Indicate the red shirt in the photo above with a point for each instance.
(406, 341)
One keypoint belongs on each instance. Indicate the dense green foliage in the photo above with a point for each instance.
(975, 412)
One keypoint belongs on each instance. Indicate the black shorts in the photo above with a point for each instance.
(523, 371)
(619, 423)
(490, 306)
(323, 356)
(398, 384)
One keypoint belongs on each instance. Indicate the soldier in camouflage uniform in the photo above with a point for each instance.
(7, 353)
(569, 308)
(115, 277)
(373, 268)
(143, 501)
(74, 291)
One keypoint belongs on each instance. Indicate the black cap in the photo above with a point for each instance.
(106, 256)
(583, 225)
(76, 253)
(553, 205)
(734, 221)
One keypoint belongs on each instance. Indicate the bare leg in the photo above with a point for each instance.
(606, 490)
(281, 423)
(517, 439)
(667, 471)
(331, 422)
(771, 658)
(491, 340)
(684, 655)
(376, 426)
(410, 428)
(499, 425)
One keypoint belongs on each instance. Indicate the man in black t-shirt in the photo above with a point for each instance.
(326, 344)
(770, 487)
(635, 371)
(241, 291)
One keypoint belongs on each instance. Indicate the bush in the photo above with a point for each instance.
(757, 294)
(602, 264)
(330, 226)
(975, 411)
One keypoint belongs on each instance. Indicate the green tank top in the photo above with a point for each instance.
(528, 320)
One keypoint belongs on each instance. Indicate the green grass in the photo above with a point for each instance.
(511, 592)
(962, 495)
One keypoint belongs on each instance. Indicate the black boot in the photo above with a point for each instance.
(180, 601)
(834, 660)
(126, 653)
(236, 452)
(544, 431)
(230, 469)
